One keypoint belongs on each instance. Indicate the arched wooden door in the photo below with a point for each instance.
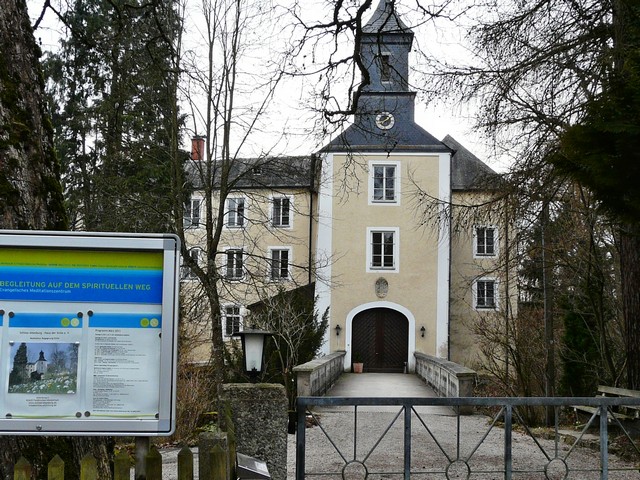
(380, 338)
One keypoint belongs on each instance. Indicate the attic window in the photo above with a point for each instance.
(257, 171)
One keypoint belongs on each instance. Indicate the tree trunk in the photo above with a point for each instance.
(630, 275)
(31, 198)
(30, 191)
(626, 43)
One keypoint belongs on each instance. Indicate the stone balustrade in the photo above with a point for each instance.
(447, 378)
(315, 377)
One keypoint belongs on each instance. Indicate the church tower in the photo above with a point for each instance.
(386, 279)
(384, 118)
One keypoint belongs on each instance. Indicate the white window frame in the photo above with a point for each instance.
(476, 253)
(189, 217)
(229, 213)
(495, 294)
(279, 278)
(185, 272)
(396, 249)
(373, 164)
(227, 271)
(226, 315)
(273, 211)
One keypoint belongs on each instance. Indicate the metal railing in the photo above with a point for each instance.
(448, 454)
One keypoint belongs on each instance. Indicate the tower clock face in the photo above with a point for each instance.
(385, 121)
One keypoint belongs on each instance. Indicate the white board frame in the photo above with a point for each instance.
(83, 423)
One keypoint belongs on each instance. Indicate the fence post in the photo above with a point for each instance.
(142, 449)
(231, 441)
(154, 464)
(604, 443)
(55, 469)
(218, 463)
(88, 468)
(122, 466)
(209, 444)
(300, 440)
(185, 464)
(508, 430)
(22, 470)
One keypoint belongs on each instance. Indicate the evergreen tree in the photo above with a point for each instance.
(114, 90)
(18, 372)
(603, 152)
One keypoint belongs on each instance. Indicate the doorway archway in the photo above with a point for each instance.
(380, 338)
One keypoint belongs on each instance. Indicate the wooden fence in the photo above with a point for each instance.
(122, 466)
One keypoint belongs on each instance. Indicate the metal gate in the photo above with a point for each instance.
(443, 457)
(381, 340)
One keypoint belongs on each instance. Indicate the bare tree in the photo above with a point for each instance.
(230, 97)
(554, 78)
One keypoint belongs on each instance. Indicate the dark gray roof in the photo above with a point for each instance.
(468, 172)
(269, 172)
(405, 135)
(409, 137)
(385, 20)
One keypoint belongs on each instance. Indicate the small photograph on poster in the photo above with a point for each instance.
(43, 368)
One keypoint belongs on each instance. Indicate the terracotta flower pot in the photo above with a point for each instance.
(357, 367)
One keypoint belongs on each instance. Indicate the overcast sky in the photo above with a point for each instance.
(289, 110)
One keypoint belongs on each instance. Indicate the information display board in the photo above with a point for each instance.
(88, 333)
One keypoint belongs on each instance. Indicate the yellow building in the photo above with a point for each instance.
(267, 232)
(382, 228)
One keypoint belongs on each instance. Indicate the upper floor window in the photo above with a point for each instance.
(485, 241)
(192, 212)
(186, 272)
(281, 212)
(235, 212)
(382, 249)
(486, 293)
(279, 264)
(232, 319)
(385, 67)
(383, 183)
(235, 264)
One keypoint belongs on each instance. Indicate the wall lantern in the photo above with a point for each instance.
(422, 331)
(253, 347)
(338, 330)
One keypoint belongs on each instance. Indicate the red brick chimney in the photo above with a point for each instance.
(197, 148)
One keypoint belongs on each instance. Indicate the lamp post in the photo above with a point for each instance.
(253, 347)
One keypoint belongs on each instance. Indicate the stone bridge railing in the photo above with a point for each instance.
(447, 378)
(315, 377)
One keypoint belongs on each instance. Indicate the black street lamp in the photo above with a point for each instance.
(253, 345)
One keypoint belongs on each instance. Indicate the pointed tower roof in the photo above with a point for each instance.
(385, 20)
(384, 49)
